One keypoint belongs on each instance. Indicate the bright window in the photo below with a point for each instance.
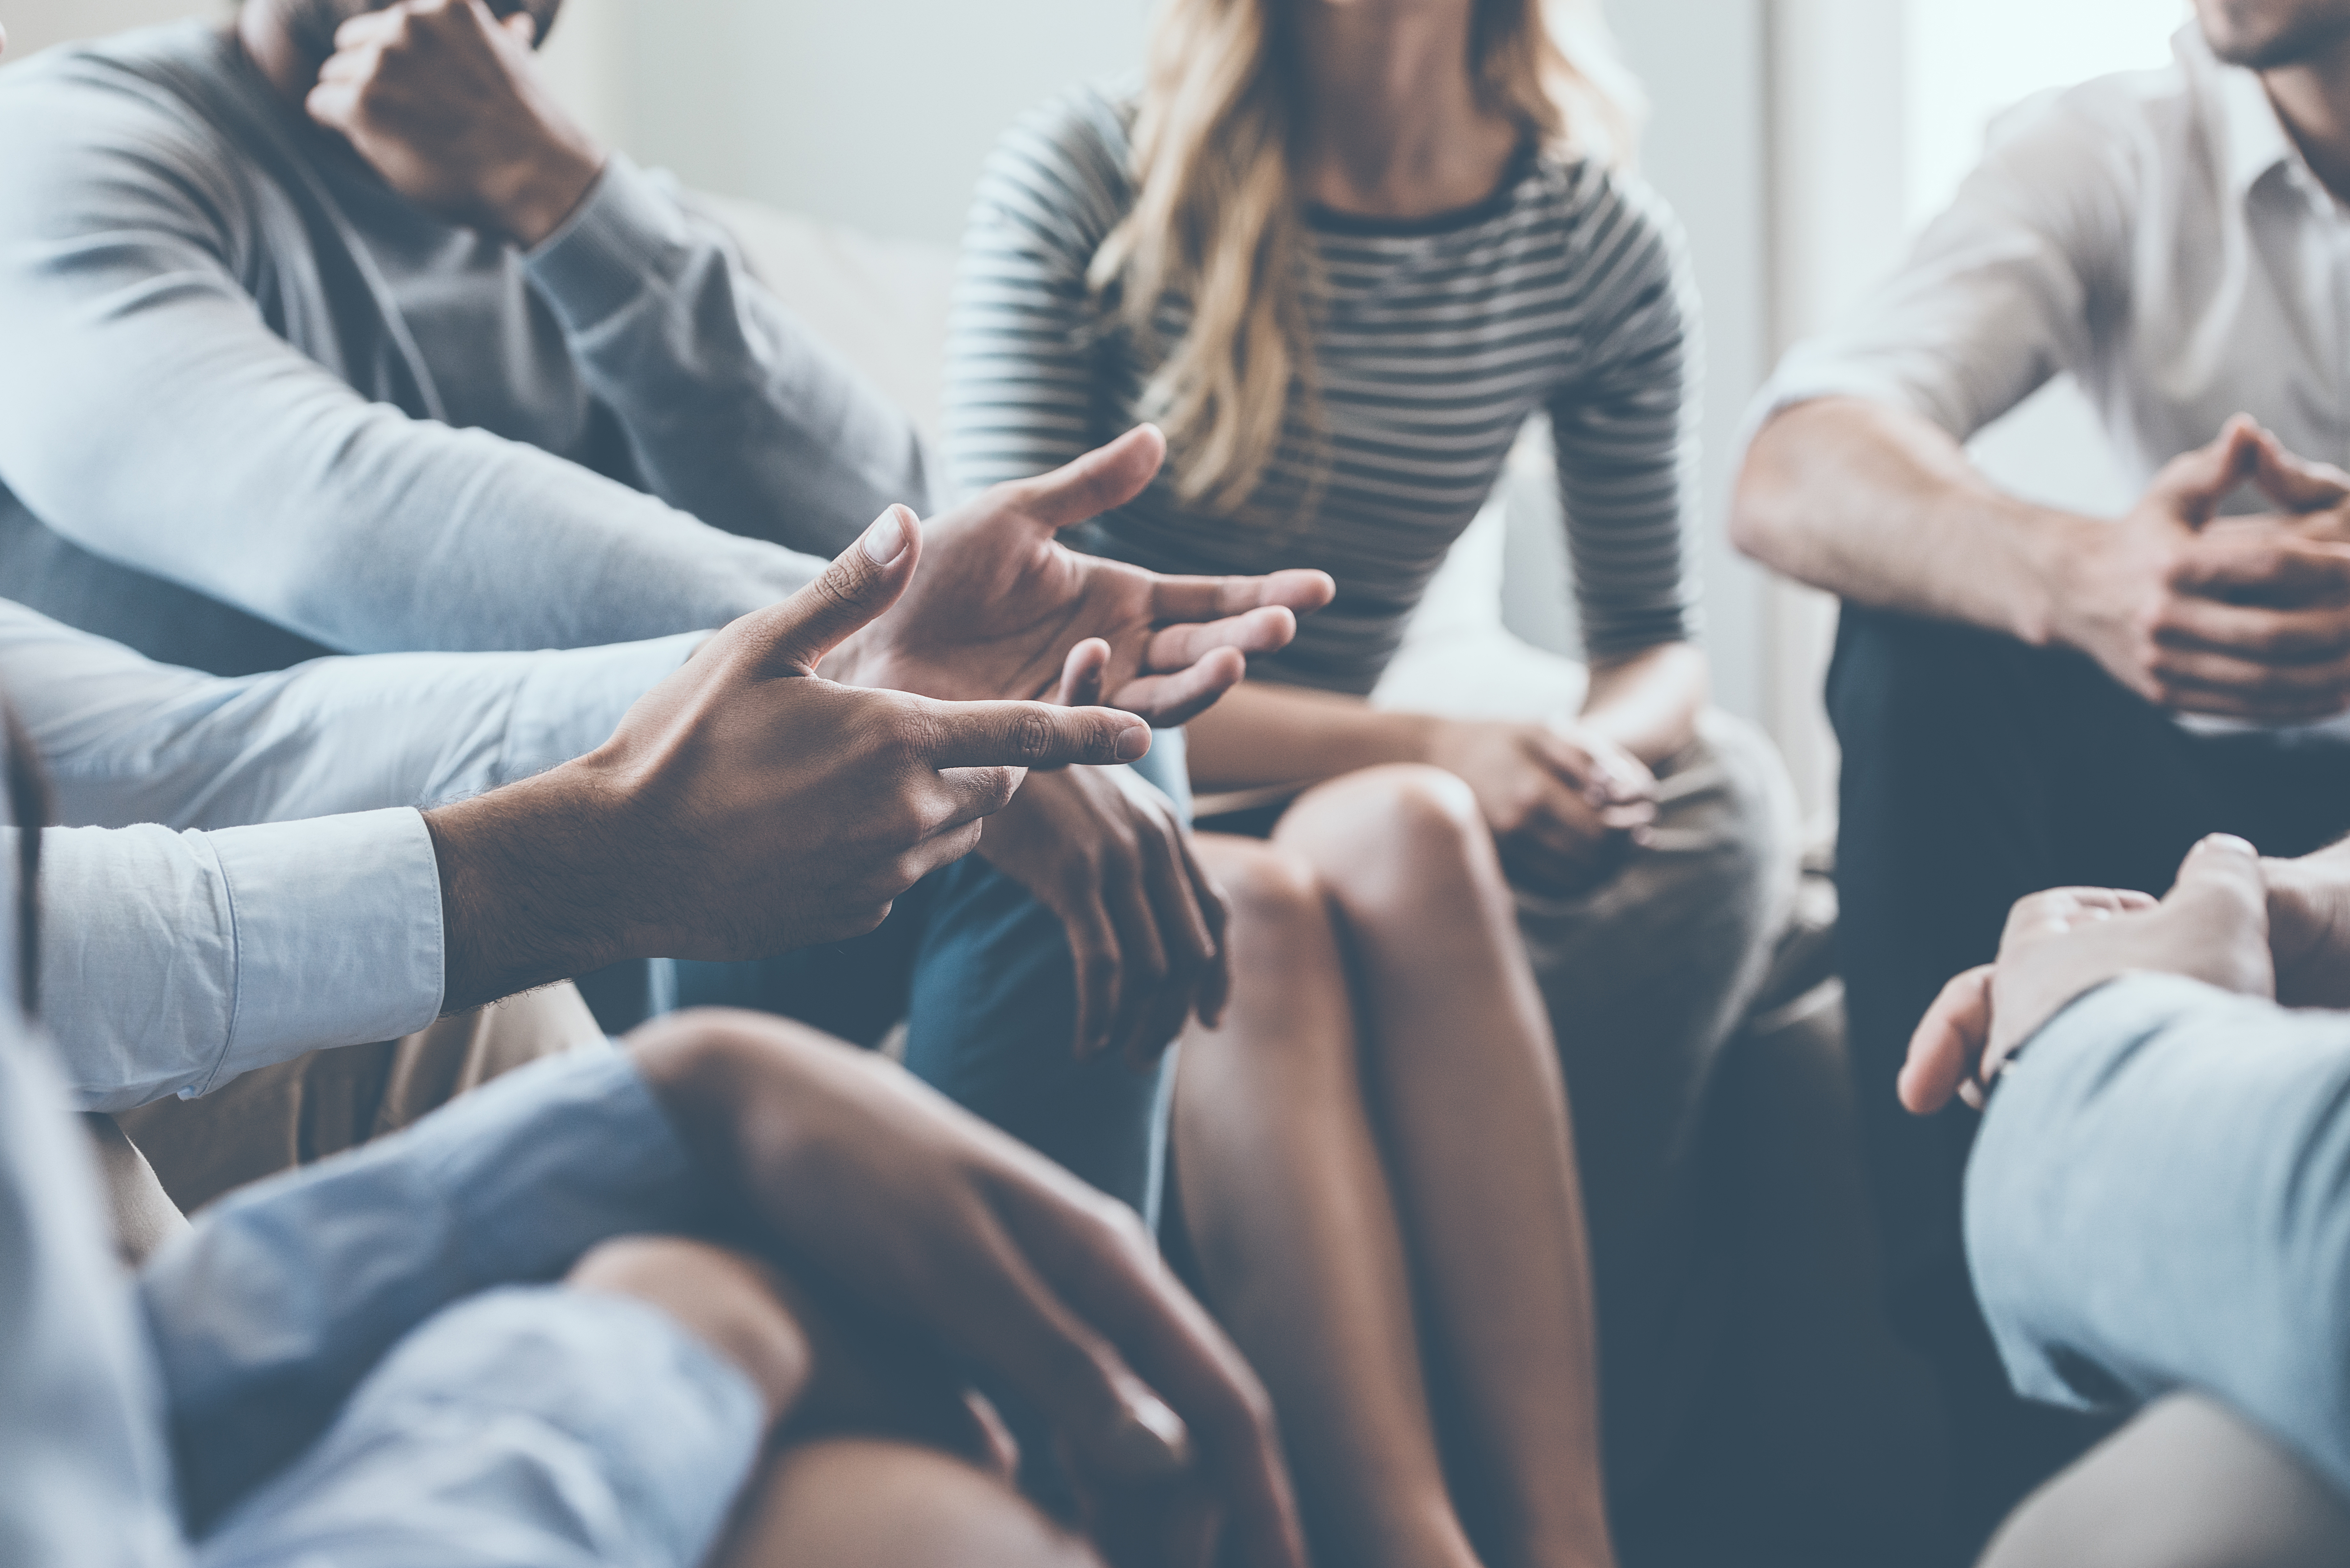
(1969, 60)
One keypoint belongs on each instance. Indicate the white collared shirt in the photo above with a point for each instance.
(2155, 234)
(2158, 235)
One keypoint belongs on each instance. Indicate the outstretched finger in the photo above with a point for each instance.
(1265, 629)
(1167, 701)
(2223, 870)
(862, 582)
(1107, 477)
(1948, 1043)
(1031, 735)
(1174, 600)
(1082, 674)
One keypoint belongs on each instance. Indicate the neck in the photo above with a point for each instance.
(2312, 98)
(1393, 127)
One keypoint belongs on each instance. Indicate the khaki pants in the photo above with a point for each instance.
(167, 1159)
(2186, 1485)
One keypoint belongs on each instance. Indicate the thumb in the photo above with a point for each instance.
(2193, 483)
(2221, 874)
(862, 582)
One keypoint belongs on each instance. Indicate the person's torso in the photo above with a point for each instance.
(1433, 341)
(2231, 291)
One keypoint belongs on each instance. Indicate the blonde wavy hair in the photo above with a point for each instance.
(1215, 219)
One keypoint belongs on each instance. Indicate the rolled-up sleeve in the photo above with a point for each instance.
(527, 1428)
(2159, 1198)
(1998, 294)
(174, 962)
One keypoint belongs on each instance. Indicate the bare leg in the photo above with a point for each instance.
(1463, 1074)
(870, 1503)
(1289, 1209)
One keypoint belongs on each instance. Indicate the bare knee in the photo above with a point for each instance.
(1402, 830)
(856, 1502)
(732, 1303)
(1279, 907)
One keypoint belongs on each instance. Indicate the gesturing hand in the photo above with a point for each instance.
(2246, 617)
(937, 1223)
(1564, 803)
(1108, 855)
(1004, 602)
(745, 805)
(443, 99)
(2213, 926)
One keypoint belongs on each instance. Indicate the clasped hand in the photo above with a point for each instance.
(2262, 927)
(1565, 803)
(2244, 618)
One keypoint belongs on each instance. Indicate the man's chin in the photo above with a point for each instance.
(2309, 42)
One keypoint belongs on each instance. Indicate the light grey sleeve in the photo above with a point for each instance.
(2159, 1198)
(1997, 294)
(125, 740)
(148, 414)
(733, 409)
(170, 962)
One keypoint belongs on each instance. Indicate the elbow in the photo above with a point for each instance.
(1763, 501)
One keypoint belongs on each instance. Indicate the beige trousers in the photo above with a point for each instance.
(2188, 1484)
(167, 1159)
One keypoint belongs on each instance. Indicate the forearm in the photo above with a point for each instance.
(1648, 703)
(534, 882)
(1882, 507)
(1263, 733)
(2154, 1201)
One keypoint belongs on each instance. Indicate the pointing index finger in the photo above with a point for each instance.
(1033, 735)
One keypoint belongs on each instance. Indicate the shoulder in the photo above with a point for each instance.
(1611, 228)
(127, 117)
(1066, 164)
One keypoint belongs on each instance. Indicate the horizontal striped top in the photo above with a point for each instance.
(1564, 291)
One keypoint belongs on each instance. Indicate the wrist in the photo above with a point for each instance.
(534, 196)
(2068, 562)
(527, 895)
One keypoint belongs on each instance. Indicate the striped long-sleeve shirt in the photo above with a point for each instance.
(1434, 339)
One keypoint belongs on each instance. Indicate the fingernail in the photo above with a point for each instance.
(2228, 842)
(1148, 1440)
(885, 541)
(1133, 744)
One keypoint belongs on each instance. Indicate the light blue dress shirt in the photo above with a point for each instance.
(2160, 1200)
(361, 1362)
(181, 950)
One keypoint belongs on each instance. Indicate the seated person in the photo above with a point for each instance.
(1343, 253)
(2026, 696)
(2157, 1207)
(693, 1300)
(328, 331)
